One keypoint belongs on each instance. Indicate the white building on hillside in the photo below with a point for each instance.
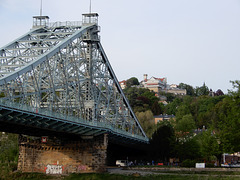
(154, 84)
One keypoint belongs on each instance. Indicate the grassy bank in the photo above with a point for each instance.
(7, 172)
(149, 177)
(106, 176)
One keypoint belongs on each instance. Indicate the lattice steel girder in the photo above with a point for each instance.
(78, 129)
(6, 113)
(46, 123)
(74, 127)
(92, 132)
(84, 131)
(66, 76)
(34, 122)
(99, 133)
(56, 125)
(14, 115)
(17, 120)
(17, 53)
(65, 127)
(49, 123)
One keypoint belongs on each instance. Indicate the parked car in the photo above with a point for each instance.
(121, 163)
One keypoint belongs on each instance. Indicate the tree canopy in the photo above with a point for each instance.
(132, 81)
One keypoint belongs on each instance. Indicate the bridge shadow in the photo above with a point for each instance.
(135, 153)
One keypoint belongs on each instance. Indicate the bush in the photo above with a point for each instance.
(188, 163)
(209, 164)
(13, 166)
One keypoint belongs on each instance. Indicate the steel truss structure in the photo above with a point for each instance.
(58, 77)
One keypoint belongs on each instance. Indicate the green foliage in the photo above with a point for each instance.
(209, 165)
(132, 81)
(162, 142)
(184, 126)
(167, 175)
(236, 85)
(226, 120)
(9, 148)
(190, 89)
(188, 149)
(140, 99)
(132, 94)
(188, 163)
(171, 108)
(201, 91)
(182, 111)
(147, 122)
(157, 108)
(138, 176)
(192, 163)
(9, 175)
(209, 145)
(151, 96)
(219, 114)
(170, 96)
(201, 108)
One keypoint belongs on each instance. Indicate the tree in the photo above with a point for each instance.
(202, 109)
(151, 96)
(132, 94)
(171, 108)
(170, 96)
(226, 120)
(147, 122)
(184, 127)
(132, 81)
(140, 99)
(201, 91)
(8, 147)
(157, 108)
(182, 110)
(188, 149)
(142, 104)
(189, 89)
(209, 145)
(162, 142)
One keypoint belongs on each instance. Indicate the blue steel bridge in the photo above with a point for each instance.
(57, 79)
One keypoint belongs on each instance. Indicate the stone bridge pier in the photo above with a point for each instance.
(52, 155)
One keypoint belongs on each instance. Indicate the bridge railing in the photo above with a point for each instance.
(66, 23)
(71, 119)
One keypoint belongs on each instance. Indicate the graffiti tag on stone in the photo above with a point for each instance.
(54, 169)
(82, 168)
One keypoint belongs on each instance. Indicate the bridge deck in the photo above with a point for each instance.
(35, 122)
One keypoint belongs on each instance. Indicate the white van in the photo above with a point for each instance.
(121, 163)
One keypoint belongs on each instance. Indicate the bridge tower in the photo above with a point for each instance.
(58, 87)
(91, 39)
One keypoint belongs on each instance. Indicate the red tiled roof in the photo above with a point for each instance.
(161, 79)
(124, 82)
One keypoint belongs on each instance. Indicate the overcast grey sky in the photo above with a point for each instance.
(189, 41)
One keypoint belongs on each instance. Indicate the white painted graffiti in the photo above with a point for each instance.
(54, 169)
(82, 168)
